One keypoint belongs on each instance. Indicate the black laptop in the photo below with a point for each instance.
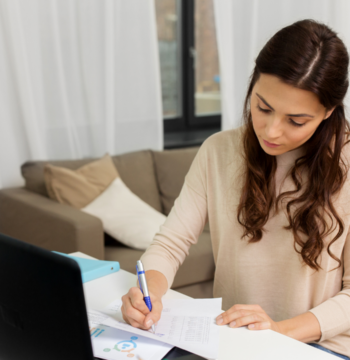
(42, 307)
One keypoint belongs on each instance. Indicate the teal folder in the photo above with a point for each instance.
(93, 269)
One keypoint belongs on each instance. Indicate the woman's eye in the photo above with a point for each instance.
(263, 110)
(290, 120)
(295, 123)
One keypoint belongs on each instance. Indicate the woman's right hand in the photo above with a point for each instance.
(135, 311)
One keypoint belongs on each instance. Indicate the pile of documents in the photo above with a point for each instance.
(187, 324)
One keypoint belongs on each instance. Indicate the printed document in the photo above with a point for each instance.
(187, 324)
(114, 344)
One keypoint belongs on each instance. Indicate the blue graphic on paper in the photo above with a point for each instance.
(125, 346)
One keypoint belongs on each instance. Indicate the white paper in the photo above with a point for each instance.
(187, 324)
(114, 344)
(95, 318)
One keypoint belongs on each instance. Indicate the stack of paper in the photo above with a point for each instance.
(187, 324)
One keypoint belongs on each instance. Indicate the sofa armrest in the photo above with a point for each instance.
(43, 222)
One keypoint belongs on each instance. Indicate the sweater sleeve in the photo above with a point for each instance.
(334, 314)
(184, 224)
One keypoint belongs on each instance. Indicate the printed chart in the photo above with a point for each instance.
(114, 344)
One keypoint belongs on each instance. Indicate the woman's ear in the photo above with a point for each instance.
(329, 113)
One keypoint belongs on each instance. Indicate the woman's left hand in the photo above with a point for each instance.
(252, 316)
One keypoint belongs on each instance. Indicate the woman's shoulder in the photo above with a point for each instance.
(225, 141)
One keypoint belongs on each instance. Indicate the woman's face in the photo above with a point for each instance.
(284, 117)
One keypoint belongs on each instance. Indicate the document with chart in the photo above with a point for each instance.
(187, 324)
(114, 344)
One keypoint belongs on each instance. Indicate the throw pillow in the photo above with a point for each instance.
(79, 187)
(125, 216)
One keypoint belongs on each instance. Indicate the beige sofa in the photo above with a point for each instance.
(28, 214)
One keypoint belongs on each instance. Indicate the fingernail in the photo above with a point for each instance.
(149, 322)
(251, 326)
(219, 320)
(233, 324)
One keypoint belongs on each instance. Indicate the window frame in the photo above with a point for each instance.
(188, 129)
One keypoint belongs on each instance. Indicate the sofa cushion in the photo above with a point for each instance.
(202, 290)
(125, 216)
(171, 168)
(80, 187)
(198, 266)
(136, 169)
(33, 173)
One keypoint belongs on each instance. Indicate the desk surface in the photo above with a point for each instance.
(241, 343)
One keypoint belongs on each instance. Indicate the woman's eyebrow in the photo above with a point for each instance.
(294, 115)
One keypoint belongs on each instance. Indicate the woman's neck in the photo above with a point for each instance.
(288, 158)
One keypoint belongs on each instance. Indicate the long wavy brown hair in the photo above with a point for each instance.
(310, 56)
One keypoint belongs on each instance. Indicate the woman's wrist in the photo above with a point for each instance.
(304, 327)
(156, 282)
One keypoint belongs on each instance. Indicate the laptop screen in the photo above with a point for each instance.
(42, 307)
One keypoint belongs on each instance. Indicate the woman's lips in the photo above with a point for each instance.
(270, 144)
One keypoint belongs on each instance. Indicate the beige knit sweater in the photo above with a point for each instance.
(270, 272)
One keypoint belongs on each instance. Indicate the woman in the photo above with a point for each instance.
(277, 197)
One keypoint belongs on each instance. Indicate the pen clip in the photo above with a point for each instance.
(140, 283)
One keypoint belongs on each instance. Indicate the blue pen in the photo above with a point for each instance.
(143, 286)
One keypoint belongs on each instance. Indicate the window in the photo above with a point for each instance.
(189, 71)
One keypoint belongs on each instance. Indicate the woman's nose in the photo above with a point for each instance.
(273, 129)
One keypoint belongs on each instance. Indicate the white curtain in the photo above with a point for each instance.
(243, 28)
(78, 78)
